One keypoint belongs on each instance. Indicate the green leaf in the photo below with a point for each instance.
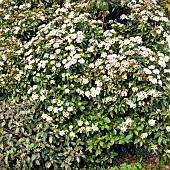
(47, 164)
(78, 159)
(98, 152)
(136, 141)
(159, 140)
(107, 120)
(90, 148)
(82, 108)
(50, 139)
(37, 162)
(139, 128)
(33, 157)
(31, 145)
(136, 132)
(1, 146)
(111, 108)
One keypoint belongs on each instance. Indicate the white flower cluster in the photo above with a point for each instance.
(47, 118)
(88, 128)
(145, 14)
(109, 99)
(81, 129)
(36, 94)
(130, 103)
(144, 94)
(151, 122)
(154, 148)
(124, 125)
(168, 128)
(61, 108)
(144, 135)
(93, 92)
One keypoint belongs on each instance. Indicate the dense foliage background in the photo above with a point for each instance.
(80, 80)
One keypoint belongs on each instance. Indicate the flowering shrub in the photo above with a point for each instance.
(82, 85)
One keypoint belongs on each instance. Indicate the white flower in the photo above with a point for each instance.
(126, 42)
(123, 16)
(57, 51)
(3, 57)
(156, 18)
(167, 151)
(94, 128)
(70, 127)
(91, 65)
(7, 17)
(87, 94)
(128, 122)
(58, 65)
(86, 122)
(62, 133)
(72, 134)
(124, 76)
(151, 122)
(168, 128)
(134, 89)
(147, 71)
(144, 135)
(64, 61)
(34, 87)
(70, 109)
(65, 114)
(44, 116)
(124, 93)
(66, 91)
(131, 104)
(95, 92)
(81, 129)
(80, 123)
(162, 63)
(88, 128)
(152, 58)
(138, 39)
(156, 71)
(59, 103)
(85, 80)
(42, 98)
(55, 110)
(168, 39)
(72, 30)
(81, 61)
(34, 96)
(142, 95)
(60, 109)
(153, 80)
(16, 30)
(103, 54)
(154, 148)
(151, 67)
(98, 83)
(90, 49)
(80, 37)
(50, 108)
(28, 67)
(123, 128)
(48, 118)
(53, 101)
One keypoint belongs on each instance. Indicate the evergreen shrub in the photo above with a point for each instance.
(75, 81)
